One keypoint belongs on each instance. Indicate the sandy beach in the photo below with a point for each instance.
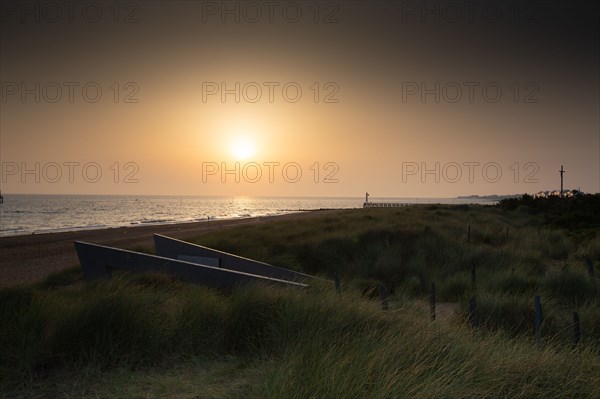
(29, 258)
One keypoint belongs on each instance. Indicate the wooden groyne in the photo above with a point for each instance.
(383, 204)
(368, 204)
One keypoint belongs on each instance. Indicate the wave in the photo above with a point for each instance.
(45, 214)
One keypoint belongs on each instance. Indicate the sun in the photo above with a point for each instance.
(242, 148)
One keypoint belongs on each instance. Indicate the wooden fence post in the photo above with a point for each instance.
(576, 329)
(473, 315)
(432, 301)
(385, 297)
(591, 273)
(338, 283)
(538, 321)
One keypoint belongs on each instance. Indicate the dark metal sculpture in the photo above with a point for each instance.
(98, 260)
(177, 249)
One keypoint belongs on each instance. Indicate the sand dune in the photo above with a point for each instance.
(29, 258)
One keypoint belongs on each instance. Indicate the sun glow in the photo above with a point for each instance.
(242, 148)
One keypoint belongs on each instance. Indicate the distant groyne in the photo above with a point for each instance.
(383, 204)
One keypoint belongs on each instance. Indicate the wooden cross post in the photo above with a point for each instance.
(561, 171)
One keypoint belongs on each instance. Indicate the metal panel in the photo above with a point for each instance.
(172, 248)
(201, 260)
(97, 261)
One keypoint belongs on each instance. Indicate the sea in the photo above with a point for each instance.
(26, 214)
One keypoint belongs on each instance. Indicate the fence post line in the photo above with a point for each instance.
(576, 330)
(338, 283)
(538, 321)
(385, 296)
(432, 301)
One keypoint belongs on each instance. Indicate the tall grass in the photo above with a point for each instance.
(315, 343)
(305, 344)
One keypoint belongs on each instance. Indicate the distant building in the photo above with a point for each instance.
(566, 193)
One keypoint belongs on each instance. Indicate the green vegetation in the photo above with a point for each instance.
(152, 336)
(577, 212)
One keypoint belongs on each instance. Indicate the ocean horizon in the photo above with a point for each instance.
(49, 213)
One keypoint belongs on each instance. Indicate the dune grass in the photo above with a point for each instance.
(153, 336)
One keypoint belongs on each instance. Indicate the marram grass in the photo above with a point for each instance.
(156, 337)
(300, 343)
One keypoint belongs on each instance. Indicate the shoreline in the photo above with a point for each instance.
(164, 223)
(140, 224)
(29, 258)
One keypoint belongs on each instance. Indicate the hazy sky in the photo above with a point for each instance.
(397, 98)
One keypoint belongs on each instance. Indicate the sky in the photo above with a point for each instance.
(304, 98)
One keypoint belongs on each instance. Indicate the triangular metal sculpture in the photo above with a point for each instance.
(97, 261)
(176, 249)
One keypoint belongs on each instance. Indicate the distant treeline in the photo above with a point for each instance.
(579, 212)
